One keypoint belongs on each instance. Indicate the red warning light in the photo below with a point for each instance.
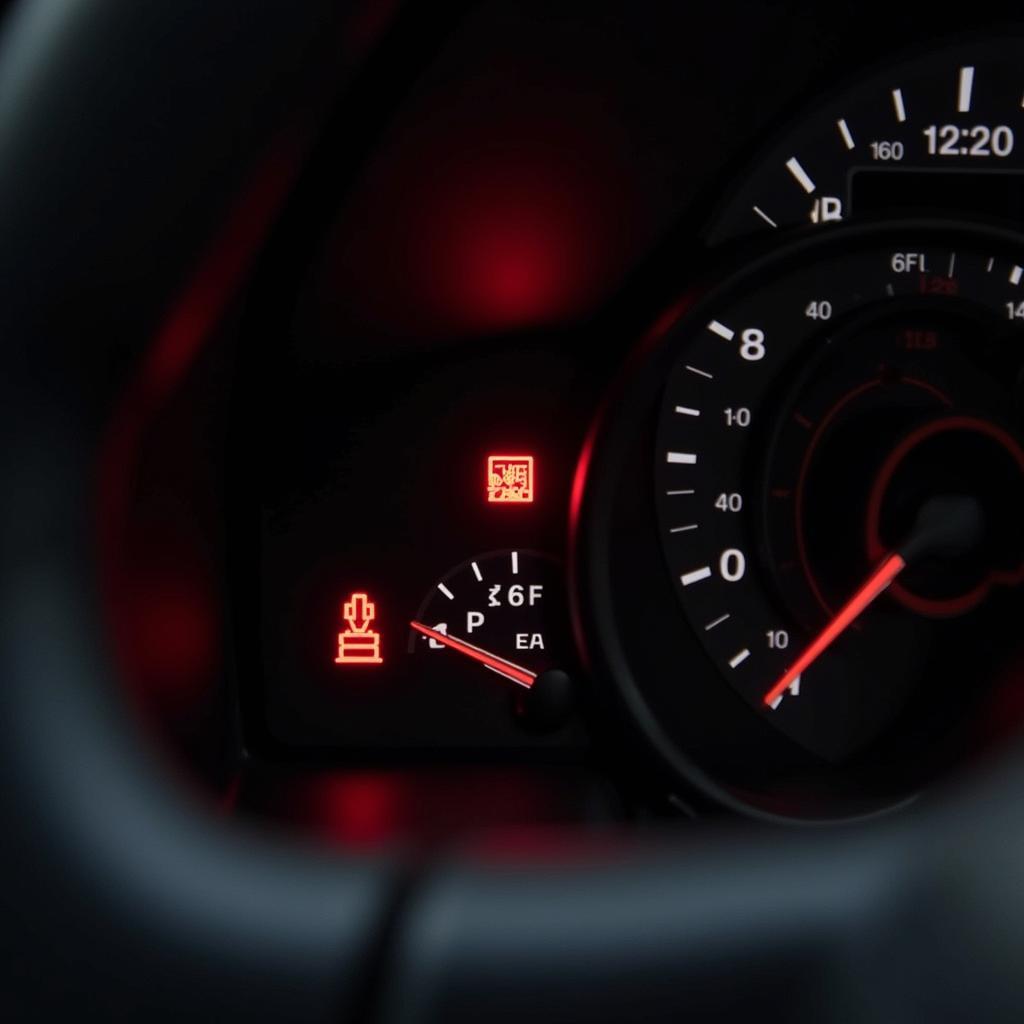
(358, 645)
(510, 479)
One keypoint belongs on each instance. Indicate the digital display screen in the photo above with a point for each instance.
(969, 193)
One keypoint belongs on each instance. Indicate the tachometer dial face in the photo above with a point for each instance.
(807, 426)
(838, 488)
(942, 132)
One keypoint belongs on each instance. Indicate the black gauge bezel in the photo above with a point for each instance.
(633, 636)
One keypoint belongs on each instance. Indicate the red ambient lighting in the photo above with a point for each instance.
(358, 645)
(488, 209)
(510, 479)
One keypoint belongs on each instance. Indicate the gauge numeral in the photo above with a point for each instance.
(885, 151)
(729, 502)
(739, 417)
(516, 595)
(778, 639)
(818, 309)
(752, 344)
(920, 341)
(908, 262)
(1015, 310)
(732, 565)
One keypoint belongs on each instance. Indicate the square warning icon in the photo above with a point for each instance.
(510, 479)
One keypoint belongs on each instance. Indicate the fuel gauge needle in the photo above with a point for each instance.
(874, 585)
(505, 668)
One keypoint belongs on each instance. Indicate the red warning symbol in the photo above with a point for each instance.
(358, 645)
(510, 479)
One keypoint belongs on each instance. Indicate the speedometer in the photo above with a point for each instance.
(815, 424)
(799, 559)
(941, 132)
(837, 479)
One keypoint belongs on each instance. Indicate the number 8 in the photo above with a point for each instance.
(752, 346)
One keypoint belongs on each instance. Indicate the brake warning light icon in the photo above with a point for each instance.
(510, 479)
(358, 644)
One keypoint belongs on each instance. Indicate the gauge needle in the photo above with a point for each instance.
(874, 585)
(949, 524)
(506, 668)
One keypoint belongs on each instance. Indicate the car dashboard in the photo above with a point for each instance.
(618, 421)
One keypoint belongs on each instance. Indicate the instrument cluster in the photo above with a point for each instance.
(773, 541)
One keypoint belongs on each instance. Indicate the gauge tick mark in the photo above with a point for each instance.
(739, 657)
(803, 179)
(695, 576)
(899, 106)
(964, 87)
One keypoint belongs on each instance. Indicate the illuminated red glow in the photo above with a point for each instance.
(875, 584)
(510, 479)
(158, 575)
(357, 809)
(508, 669)
(488, 210)
(169, 639)
(358, 644)
(513, 252)
(371, 809)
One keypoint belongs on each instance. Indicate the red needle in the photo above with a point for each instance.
(872, 587)
(500, 665)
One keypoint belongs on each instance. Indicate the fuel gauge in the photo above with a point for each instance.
(503, 612)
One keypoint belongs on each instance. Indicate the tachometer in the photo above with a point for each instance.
(811, 429)
(838, 481)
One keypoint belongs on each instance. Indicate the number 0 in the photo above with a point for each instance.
(732, 565)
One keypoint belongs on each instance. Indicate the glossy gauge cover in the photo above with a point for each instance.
(694, 625)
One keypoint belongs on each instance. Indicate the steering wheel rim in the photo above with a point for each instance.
(125, 898)
(128, 898)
